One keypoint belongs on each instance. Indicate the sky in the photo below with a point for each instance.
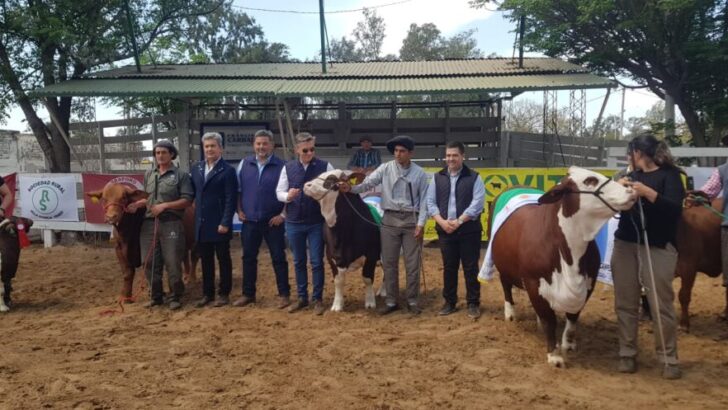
(493, 32)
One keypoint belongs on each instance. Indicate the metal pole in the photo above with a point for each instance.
(621, 115)
(522, 30)
(598, 122)
(323, 40)
(669, 116)
(133, 38)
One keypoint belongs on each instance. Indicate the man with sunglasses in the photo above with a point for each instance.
(404, 190)
(170, 192)
(304, 222)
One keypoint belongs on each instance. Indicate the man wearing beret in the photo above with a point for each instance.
(170, 192)
(404, 189)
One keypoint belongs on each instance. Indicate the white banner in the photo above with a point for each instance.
(48, 197)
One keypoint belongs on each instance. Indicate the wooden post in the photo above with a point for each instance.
(289, 124)
(503, 147)
(102, 147)
(393, 117)
(183, 137)
(342, 128)
(281, 131)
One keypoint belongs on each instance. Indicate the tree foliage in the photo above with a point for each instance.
(46, 42)
(675, 47)
(425, 42)
(365, 43)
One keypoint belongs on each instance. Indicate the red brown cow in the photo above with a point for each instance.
(698, 242)
(548, 249)
(127, 226)
(10, 255)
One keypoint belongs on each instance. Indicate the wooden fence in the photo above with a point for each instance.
(538, 150)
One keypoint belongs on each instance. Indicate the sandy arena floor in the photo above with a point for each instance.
(59, 352)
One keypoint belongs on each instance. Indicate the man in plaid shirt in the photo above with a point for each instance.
(367, 159)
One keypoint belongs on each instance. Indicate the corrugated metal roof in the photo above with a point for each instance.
(305, 79)
(379, 69)
(338, 87)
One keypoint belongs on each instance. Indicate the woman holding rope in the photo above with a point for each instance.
(644, 253)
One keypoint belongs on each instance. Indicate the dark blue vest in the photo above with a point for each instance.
(463, 198)
(259, 196)
(304, 209)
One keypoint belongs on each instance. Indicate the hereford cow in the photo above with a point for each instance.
(548, 248)
(698, 242)
(350, 233)
(10, 255)
(127, 226)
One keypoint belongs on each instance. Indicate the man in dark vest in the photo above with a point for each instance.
(304, 222)
(262, 217)
(455, 200)
(215, 189)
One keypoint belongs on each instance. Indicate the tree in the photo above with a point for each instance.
(425, 42)
(366, 45)
(46, 42)
(676, 47)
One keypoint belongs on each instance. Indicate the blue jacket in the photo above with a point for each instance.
(215, 200)
(258, 191)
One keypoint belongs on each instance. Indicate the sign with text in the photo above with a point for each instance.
(97, 182)
(50, 197)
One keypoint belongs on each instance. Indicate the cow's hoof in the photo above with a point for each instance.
(4, 309)
(510, 312)
(337, 307)
(685, 328)
(556, 360)
(568, 347)
(370, 304)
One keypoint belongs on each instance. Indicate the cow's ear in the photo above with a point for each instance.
(135, 194)
(553, 195)
(357, 177)
(95, 195)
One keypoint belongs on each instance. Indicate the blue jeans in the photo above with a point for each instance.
(252, 236)
(298, 234)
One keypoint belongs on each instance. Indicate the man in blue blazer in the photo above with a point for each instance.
(215, 198)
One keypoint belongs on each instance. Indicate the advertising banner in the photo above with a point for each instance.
(50, 197)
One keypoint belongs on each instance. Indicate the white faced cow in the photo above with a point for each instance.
(350, 233)
(549, 249)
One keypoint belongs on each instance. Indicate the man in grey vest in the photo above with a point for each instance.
(455, 200)
(404, 187)
(716, 183)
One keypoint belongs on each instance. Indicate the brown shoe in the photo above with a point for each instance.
(221, 301)
(284, 302)
(301, 304)
(318, 308)
(243, 301)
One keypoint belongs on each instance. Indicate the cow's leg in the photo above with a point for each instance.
(370, 301)
(687, 280)
(554, 356)
(568, 338)
(339, 279)
(3, 306)
(509, 310)
(127, 271)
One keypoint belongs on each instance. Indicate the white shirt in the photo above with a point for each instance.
(282, 188)
(209, 167)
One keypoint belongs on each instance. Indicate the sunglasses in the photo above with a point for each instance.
(307, 150)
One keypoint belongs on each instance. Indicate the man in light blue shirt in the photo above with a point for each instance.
(404, 187)
(455, 200)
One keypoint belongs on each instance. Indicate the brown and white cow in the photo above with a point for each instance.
(350, 233)
(10, 253)
(548, 249)
(698, 243)
(127, 226)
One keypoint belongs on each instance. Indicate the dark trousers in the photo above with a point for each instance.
(207, 251)
(252, 236)
(456, 248)
(168, 251)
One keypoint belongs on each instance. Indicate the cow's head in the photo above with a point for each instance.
(590, 193)
(325, 190)
(115, 198)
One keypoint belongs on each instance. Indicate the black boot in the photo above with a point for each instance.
(6, 297)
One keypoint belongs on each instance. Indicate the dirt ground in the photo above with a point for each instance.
(57, 351)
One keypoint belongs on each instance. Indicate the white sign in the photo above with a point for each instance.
(48, 197)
